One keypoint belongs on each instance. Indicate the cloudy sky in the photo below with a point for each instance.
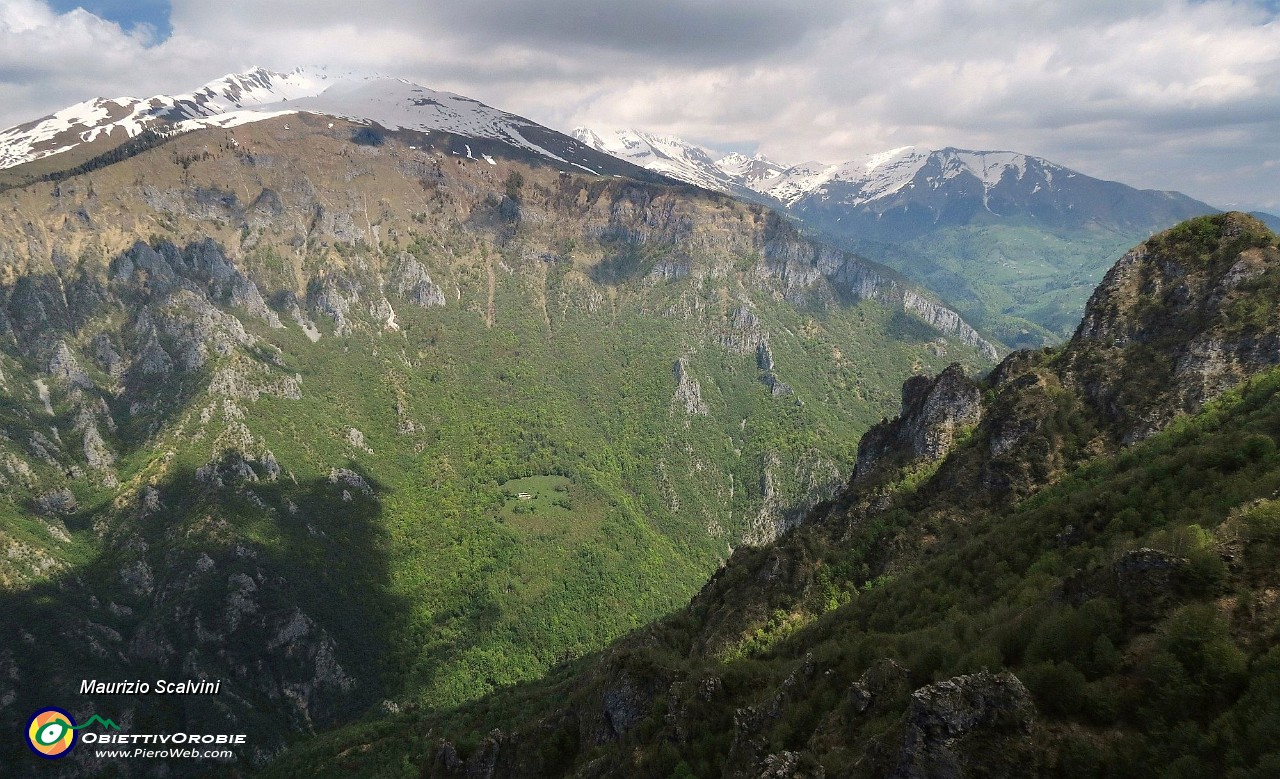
(1169, 94)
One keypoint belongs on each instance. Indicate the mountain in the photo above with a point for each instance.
(908, 192)
(1014, 241)
(1270, 220)
(1064, 568)
(120, 118)
(753, 172)
(672, 157)
(378, 413)
(91, 128)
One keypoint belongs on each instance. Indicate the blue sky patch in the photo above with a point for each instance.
(126, 13)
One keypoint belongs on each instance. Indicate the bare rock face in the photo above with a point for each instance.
(496, 756)
(764, 356)
(742, 331)
(771, 521)
(934, 411)
(801, 270)
(288, 302)
(146, 265)
(154, 360)
(1178, 320)
(688, 391)
(412, 282)
(975, 725)
(66, 370)
(764, 361)
(777, 387)
(787, 765)
(946, 321)
(57, 503)
(382, 314)
(348, 478)
(337, 298)
(238, 383)
(625, 705)
(355, 439)
(615, 710)
(318, 673)
(138, 578)
(230, 470)
(96, 452)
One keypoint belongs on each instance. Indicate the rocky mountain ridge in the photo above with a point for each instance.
(125, 117)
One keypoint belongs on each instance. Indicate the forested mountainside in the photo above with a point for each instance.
(1065, 568)
(368, 420)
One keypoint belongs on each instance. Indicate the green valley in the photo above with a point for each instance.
(286, 435)
(1024, 284)
(1055, 570)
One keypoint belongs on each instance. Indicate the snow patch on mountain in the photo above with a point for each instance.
(397, 104)
(750, 171)
(125, 117)
(260, 94)
(663, 154)
(874, 176)
(855, 182)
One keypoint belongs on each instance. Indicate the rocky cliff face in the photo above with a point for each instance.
(1178, 320)
(934, 412)
(950, 725)
(798, 266)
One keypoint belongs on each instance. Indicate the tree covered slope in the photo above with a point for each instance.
(1066, 568)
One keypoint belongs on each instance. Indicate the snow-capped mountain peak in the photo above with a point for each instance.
(749, 171)
(857, 182)
(124, 117)
(258, 94)
(668, 155)
(875, 175)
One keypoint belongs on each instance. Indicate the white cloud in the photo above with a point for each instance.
(1161, 93)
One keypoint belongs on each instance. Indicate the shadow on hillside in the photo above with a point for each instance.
(279, 590)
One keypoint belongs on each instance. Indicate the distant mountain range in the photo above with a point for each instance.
(909, 191)
(1014, 241)
(458, 125)
(1270, 220)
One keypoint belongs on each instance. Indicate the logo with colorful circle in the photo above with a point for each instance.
(51, 733)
